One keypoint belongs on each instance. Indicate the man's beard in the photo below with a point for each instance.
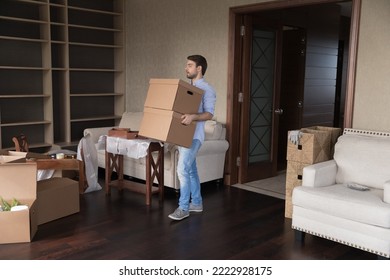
(191, 76)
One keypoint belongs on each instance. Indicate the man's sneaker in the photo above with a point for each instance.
(179, 214)
(195, 208)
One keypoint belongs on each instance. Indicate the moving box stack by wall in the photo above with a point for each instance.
(315, 145)
(166, 101)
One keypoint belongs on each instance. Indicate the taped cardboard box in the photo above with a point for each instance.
(166, 126)
(57, 198)
(173, 95)
(313, 147)
(19, 181)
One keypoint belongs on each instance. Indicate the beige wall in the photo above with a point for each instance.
(372, 93)
(161, 34)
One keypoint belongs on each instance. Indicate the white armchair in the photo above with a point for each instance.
(210, 159)
(326, 205)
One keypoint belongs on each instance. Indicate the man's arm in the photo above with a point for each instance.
(189, 118)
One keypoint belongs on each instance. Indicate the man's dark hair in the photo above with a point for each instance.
(199, 61)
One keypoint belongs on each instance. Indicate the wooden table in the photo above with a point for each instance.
(154, 170)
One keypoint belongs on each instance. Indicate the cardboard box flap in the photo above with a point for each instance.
(18, 180)
(9, 159)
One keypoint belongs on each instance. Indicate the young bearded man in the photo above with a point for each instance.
(190, 196)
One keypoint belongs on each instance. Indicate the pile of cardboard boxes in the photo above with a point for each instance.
(166, 101)
(46, 200)
(316, 144)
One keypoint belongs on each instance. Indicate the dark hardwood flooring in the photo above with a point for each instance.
(236, 224)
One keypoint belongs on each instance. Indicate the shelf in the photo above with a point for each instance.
(96, 119)
(24, 39)
(23, 20)
(59, 68)
(24, 68)
(94, 45)
(95, 27)
(94, 94)
(94, 11)
(24, 123)
(24, 96)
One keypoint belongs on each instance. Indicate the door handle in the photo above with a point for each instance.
(278, 111)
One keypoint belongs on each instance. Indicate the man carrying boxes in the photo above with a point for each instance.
(175, 112)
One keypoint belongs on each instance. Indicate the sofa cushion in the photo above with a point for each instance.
(213, 130)
(338, 200)
(362, 159)
(131, 120)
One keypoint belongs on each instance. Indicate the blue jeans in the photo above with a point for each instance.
(187, 173)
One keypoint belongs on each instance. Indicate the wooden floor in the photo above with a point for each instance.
(236, 224)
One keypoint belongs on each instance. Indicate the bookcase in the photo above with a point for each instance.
(62, 69)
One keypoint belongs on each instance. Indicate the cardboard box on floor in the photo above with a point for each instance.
(173, 95)
(57, 198)
(166, 126)
(19, 181)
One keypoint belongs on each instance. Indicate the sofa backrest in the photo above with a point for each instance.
(363, 160)
(213, 129)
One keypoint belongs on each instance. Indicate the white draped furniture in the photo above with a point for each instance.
(210, 159)
(327, 207)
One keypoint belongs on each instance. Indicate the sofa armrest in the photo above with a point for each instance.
(386, 192)
(320, 174)
(96, 132)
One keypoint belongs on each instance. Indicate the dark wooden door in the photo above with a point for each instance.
(260, 100)
(291, 87)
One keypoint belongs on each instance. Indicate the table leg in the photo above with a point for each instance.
(155, 169)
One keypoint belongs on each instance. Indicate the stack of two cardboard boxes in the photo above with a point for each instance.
(315, 145)
(46, 200)
(166, 101)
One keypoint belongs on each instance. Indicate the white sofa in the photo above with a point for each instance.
(210, 159)
(326, 206)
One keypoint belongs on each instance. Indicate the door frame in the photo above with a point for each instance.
(235, 60)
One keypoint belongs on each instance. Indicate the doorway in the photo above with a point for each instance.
(287, 88)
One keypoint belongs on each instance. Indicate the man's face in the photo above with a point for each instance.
(191, 69)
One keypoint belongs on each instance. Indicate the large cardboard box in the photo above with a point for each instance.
(173, 95)
(19, 181)
(166, 126)
(314, 146)
(57, 198)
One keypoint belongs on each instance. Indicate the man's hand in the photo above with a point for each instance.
(187, 119)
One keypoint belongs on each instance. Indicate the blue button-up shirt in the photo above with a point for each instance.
(207, 104)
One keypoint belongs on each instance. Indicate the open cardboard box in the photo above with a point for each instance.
(19, 181)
